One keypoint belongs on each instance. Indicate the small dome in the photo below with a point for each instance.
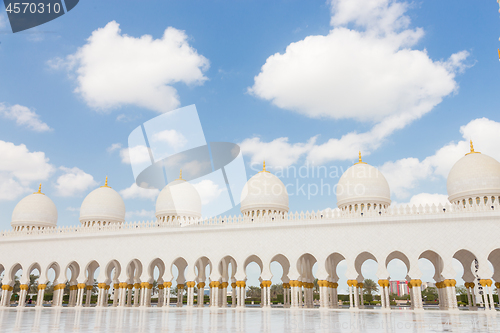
(178, 199)
(36, 211)
(363, 184)
(474, 175)
(102, 206)
(265, 193)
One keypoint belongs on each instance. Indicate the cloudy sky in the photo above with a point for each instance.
(297, 83)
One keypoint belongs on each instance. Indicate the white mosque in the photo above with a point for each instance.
(123, 257)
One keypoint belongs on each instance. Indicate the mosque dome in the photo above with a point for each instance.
(264, 193)
(178, 199)
(102, 206)
(362, 185)
(473, 177)
(36, 211)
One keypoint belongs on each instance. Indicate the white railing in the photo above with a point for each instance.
(335, 215)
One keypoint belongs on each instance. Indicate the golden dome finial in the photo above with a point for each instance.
(472, 151)
(360, 160)
(180, 174)
(39, 189)
(264, 167)
(106, 183)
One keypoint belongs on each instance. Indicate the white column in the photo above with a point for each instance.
(89, 295)
(388, 301)
(224, 294)
(416, 294)
(167, 290)
(362, 299)
(351, 300)
(335, 296)
(233, 295)
(382, 294)
(180, 294)
(22, 295)
(469, 300)
(41, 293)
(490, 294)
(356, 296)
(269, 294)
(81, 289)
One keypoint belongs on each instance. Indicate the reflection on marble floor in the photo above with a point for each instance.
(250, 320)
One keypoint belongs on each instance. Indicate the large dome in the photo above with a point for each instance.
(474, 176)
(178, 199)
(362, 184)
(263, 194)
(102, 206)
(36, 211)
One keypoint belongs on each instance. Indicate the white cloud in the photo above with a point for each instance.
(136, 192)
(429, 199)
(171, 137)
(20, 169)
(405, 174)
(113, 69)
(139, 154)
(24, 117)
(74, 182)
(278, 152)
(366, 75)
(208, 190)
(114, 147)
(141, 213)
(370, 74)
(73, 209)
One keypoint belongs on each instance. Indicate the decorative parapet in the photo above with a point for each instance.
(335, 215)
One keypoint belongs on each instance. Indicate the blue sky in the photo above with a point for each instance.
(293, 82)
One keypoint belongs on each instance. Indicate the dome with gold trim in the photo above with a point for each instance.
(263, 194)
(361, 187)
(36, 211)
(102, 206)
(474, 178)
(178, 199)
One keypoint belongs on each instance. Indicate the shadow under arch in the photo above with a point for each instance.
(285, 265)
(90, 270)
(134, 271)
(466, 259)
(360, 260)
(331, 264)
(494, 258)
(398, 255)
(156, 263)
(108, 273)
(436, 261)
(74, 270)
(57, 271)
(305, 265)
(223, 268)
